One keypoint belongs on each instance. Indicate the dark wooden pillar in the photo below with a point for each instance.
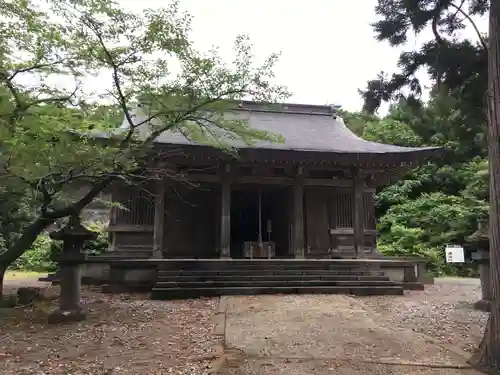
(358, 214)
(217, 220)
(298, 215)
(159, 219)
(225, 210)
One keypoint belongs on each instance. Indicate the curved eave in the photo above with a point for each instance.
(406, 158)
(403, 152)
(364, 159)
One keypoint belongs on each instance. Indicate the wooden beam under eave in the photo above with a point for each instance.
(269, 180)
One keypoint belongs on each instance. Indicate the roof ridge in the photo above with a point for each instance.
(293, 108)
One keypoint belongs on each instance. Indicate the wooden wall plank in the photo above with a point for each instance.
(317, 221)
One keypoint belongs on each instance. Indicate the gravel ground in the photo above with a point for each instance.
(443, 311)
(124, 334)
(131, 335)
(323, 327)
(325, 334)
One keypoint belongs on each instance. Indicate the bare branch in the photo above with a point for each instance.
(38, 186)
(116, 78)
(47, 197)
(189, 112)
(36, 66)
(435, 20)
(469, 18)
(206, 129)
(75, 208)
(439, 39)
(459, 7)
(61, 99)
(19, 105)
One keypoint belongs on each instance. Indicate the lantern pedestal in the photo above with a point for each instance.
(478, 248)
(73, 235)
(482, 257)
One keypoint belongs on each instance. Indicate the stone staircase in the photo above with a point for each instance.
(204, 278)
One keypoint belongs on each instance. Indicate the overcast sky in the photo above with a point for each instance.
(328, 46)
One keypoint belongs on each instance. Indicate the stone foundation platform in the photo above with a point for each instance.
(180, 278)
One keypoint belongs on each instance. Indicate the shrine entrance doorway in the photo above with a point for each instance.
(260, 221)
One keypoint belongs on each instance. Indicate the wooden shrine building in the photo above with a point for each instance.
(310, 196)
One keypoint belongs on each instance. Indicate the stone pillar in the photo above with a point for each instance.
(112, 235)
(410, 273)
(298, 215)
(423, 275)
(159, 220)
(484, 304)
(73, 236)
(358, 214)
(225, 220)
(70, 279)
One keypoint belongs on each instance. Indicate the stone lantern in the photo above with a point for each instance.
(73, 236)
(478, 246)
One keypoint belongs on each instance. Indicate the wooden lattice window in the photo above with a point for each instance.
(139, 204)
(343, 211)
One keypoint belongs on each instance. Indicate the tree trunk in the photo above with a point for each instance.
(23, 243)
(488, 356)
(2, 275)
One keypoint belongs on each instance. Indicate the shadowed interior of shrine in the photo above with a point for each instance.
(259, 209)
(190, 220)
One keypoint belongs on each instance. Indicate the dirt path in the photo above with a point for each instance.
(11, 284)
(320, 334)
(123, 335)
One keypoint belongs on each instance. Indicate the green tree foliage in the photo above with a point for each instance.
(391, 131)
(435, 204)
(463, 110)
(14, 214)
(53, 53)
(457, 66)
(454, 190)
(423, 226)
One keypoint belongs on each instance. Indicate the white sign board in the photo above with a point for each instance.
(454, 254)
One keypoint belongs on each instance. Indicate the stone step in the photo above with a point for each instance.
(248, 278)
(125, 254)
(267, 272)
(51, 277)
(259, 265)
(183, 293)
(268, 283)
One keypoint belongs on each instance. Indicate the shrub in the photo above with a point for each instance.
(425, 225)
(100, 245)
(38, 258)
(44, 254)
(403, 241)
